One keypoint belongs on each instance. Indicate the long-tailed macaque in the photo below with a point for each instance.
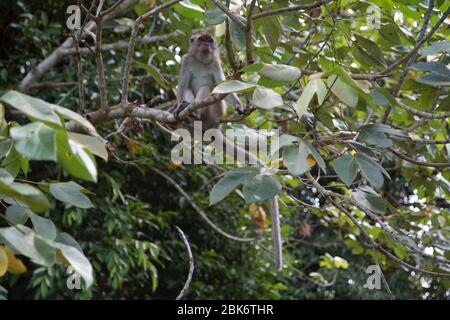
(201, 70)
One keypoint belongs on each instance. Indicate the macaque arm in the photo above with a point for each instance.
(232, 98)
(183, 84)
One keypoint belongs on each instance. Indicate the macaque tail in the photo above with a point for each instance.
(276, 233)
(273, 203)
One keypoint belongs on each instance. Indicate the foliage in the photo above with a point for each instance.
(362, 174)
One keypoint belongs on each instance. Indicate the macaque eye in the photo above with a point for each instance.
(206, 39)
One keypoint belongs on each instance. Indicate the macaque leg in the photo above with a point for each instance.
(213, 114)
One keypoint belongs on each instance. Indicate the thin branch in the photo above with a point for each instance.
(291, 9)
(81, 107)
(420, 163)
(248, 33)
(411, 59)
(191, 264)
(113, 8)
(132, 42)
(230, 14)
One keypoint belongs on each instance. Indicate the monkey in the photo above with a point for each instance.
(201, 70)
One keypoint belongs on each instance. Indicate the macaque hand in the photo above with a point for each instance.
(183, 105)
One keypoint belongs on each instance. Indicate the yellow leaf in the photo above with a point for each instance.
(133, 146)
(3, 261)
(259, 216)
(173, 165)
(15, 265)
(311, 161)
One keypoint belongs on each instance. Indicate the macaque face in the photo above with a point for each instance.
(203, 47)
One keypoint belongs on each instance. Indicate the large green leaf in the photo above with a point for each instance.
(78, 261)
(26, 194)
(24, 241)
(266, 98)
(36, 141)
(344, 92)
(346, 169)
(315, 86)
(74, 158)
(35, 108)
(43, 111)
(272, 31)
(233, 86)
(70, 192)
(295, 158)
(280, 72)
(190, 10)
(229, 182)
(260, 187)
(43, 227)
(370, 170)
(93, 144)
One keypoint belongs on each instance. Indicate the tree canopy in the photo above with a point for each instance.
(357, 90)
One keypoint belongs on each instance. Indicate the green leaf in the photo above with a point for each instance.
(78, 262)
(189, 10)
(272, 31)
(435, 48)
(370, 170)
(316, 155)
(434, 79)
(237, 34)
(23, 240)
(266, 98)
(75, 158)
(315, 86)
(280, 72)
(215, 16)
(43, 227)
(372, 136)
(367, 198)
(32, 107)
(346, 169)
(254, 67)
(46, 112)
(295, 158)
(36, 141)
(70, 192)
(260, 187)
(228, 183)
(233, 86)
(93, 144)
(342, 91)
(26, 194)
(6, 177)
(18, 214)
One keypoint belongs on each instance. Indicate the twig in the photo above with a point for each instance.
(81, 107)
(291, 9)
(191, 264)
(132, 42)
(411, 59)
(230, 14)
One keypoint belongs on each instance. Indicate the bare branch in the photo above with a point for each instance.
(291, 9)
(230, 14)
(191, 264)
(132, 43)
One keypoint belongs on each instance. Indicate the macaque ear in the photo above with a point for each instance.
(192, 39)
